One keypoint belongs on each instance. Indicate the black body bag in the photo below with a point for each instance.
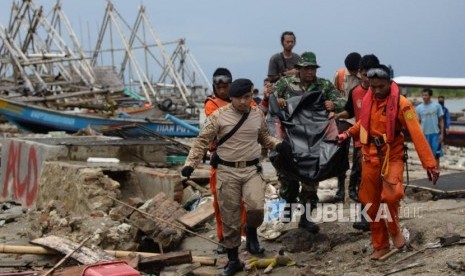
(305, 126)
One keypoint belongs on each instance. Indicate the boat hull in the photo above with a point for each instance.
(42, 120)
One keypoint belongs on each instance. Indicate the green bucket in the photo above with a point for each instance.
(175, 159)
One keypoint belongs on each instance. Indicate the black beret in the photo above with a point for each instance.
(240, 87)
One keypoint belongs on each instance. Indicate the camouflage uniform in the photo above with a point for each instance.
(290, 86)
(240, 182)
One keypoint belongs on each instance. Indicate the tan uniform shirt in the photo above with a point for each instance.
(242, 146)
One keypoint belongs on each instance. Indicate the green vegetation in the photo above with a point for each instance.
(448, 93)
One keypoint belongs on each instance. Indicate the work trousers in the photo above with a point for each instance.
(290, 191)
(232, 186)
(216, 208)
(376, 190)
(356, 170)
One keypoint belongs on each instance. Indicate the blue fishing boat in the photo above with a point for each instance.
(42, 120)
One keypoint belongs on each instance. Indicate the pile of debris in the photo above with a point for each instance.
(144, 232)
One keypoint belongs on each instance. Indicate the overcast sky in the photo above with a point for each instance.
(417, 37)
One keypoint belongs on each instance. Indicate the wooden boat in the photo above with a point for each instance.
(456, 135)
(42, 120)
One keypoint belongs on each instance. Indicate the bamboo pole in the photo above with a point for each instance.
(38, 250)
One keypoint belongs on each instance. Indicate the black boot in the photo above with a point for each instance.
(363, 225)
(252, 244)
(308, 225)
(340, 194)
(221, 249)
(286, 215)
(353, 194)
(234, 264)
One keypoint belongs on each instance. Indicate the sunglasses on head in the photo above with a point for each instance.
(378, 73)
(221, 79)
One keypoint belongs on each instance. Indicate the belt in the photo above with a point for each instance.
(239, 164)
(378, 141)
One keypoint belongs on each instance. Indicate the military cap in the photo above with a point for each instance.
(307, 59)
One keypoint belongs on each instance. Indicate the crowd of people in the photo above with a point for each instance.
(236, 135)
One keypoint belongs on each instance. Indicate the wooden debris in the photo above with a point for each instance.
(202, 190)
(409, 256)
(203, 213)
(393, 271)
(157, 263)
(167, 222)
(67, 256)
(38, 250)
(204, 260)
(389, 254)
(65, 246)
(24, 273)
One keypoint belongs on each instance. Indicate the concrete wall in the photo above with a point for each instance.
(23, 164)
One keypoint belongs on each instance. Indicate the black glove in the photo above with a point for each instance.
(187, 171)
(284, 148)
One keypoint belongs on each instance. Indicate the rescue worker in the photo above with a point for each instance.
(222, 79)
(238, 169)
(285, 88)
(353, 109)
(384, 114)
(345, 80)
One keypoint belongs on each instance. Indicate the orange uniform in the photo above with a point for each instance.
(382, 179)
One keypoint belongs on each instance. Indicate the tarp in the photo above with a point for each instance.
(304, 124)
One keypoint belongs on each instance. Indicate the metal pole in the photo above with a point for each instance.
(406, 165)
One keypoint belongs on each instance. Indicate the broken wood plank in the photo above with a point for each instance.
(38, 250)
(24, 273)
(203, 213)
(204, 260)
(404, 268)
(65, 246)
(389, 254)
(67, 256)
(157, 263)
